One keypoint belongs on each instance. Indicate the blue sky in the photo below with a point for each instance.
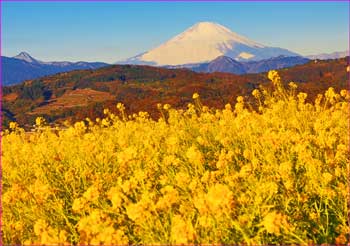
(112, 31)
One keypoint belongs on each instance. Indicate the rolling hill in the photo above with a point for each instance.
(78, 94)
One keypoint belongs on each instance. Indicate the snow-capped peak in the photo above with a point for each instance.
(26, 57)
(203, 42)
(214, 31)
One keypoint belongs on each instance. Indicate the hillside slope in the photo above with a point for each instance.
(79, 94)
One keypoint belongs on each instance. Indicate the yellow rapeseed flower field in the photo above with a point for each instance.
(277, 174)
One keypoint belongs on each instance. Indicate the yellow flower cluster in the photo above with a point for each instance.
(39, 121)
(194, 176)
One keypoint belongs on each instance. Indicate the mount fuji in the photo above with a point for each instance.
(203, 42)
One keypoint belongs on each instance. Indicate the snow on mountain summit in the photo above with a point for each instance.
(204, 42)
(213, 33)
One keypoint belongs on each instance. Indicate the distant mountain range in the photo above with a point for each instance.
(202, 43)
(226, 64)
(24, 67)
(205, 47)
(326, 56)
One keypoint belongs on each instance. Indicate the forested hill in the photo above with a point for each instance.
(79, 94)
